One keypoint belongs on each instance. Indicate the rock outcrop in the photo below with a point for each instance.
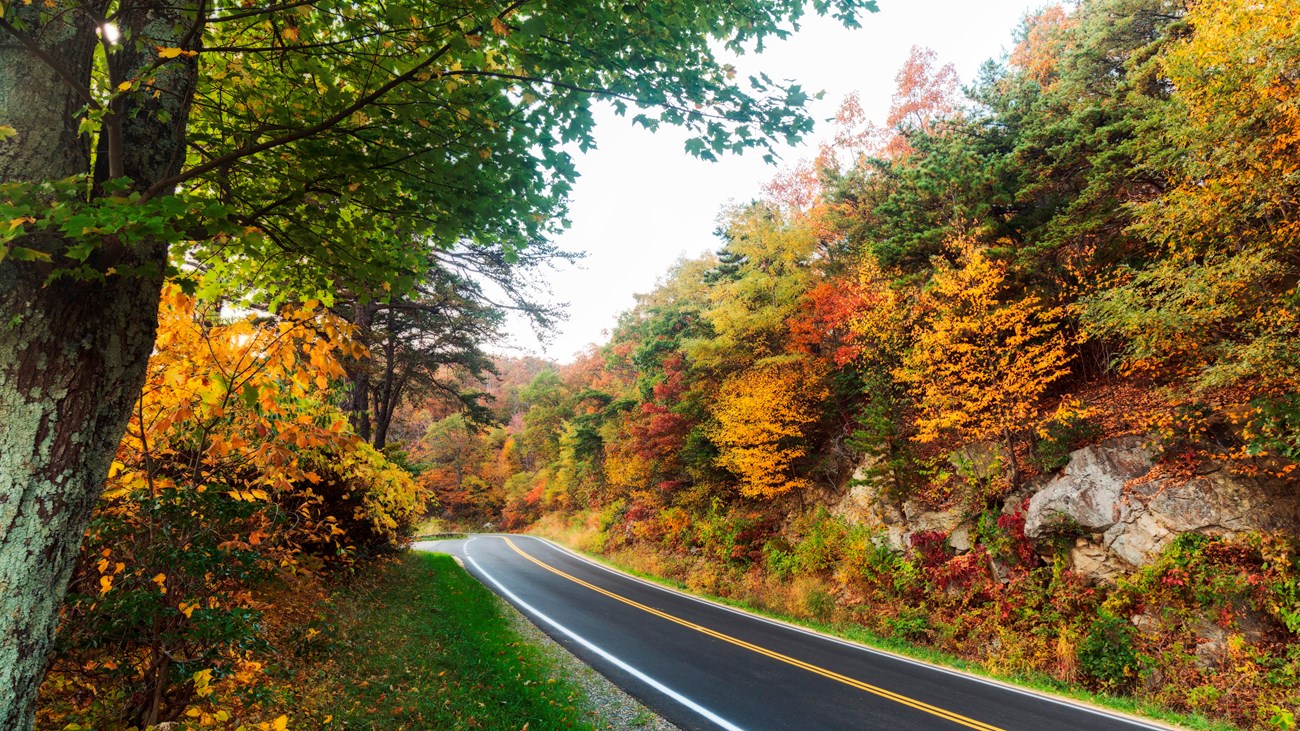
(1088, 493)
(1121, 522)
(895, 524)
(1109, 518)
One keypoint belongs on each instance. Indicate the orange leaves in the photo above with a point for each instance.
(982, 360)
(824, 324)
(925, 94)
(1045, 39)
(762, 414)
(240, 389)
(235, 468)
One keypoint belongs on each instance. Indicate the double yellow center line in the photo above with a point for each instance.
(873, 689)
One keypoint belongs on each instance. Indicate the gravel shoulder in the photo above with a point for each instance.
(606, 705)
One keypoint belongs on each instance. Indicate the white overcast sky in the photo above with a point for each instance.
(642, 202)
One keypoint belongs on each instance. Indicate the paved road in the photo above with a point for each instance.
(704, 666)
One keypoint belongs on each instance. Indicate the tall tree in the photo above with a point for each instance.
(763, 414)
(985, 357)
(323, 136)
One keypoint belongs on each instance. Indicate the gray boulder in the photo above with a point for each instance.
(1118, 526)
(1087, 495)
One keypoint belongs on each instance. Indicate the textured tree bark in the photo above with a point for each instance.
(70, 370)
(358, 372)
(72, 353)
(385, 396)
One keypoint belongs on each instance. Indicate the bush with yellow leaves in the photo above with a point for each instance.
(234, 477)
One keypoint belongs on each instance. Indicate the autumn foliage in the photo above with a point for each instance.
(236, 483)
(1095, 238)
(981, 361)
(763, 414)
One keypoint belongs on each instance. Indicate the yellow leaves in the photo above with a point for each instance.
(499, 27)
(175, 53)
(240, 412)
(202, 683)
(982, 360)
(762, 414)
(124, 86)
(247, 671)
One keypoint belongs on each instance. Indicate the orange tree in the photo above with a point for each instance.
(983, 358)
(232, 471)
(762, 414)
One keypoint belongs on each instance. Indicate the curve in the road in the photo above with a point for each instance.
(883, 693)
(742, 671)
(591, 646)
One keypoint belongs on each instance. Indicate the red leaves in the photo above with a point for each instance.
(824, 324)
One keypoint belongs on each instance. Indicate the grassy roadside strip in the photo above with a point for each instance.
(855, 633)
(420, 644)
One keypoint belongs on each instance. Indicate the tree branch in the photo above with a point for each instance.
(361, 103)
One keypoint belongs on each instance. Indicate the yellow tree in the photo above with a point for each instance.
(983, 359)
(762, 414)
(755, 287)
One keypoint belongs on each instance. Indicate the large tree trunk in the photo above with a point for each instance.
(72, 353)
(69, 373)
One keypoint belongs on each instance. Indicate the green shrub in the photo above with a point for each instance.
(911, 624)
(779, 558)
(1106, 655)
(1275, 427)
(823, 545)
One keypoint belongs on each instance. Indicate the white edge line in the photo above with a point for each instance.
(1071, 703)
(602, 653)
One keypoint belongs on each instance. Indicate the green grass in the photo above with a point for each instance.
(422, 645)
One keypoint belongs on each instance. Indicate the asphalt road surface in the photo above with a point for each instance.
(703, 666)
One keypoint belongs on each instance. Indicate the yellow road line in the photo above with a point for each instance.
(873, 689)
